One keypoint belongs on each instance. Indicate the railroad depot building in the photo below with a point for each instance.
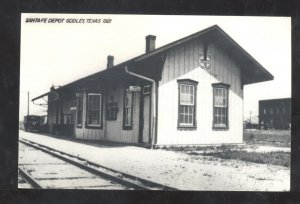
(275, 114)
(187, 92)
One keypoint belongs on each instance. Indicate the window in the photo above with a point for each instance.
(187, 104)
(67, 119)
(271, 110)
(127, 119)
(265, 111)
(79, 110)
(94, 110)
(220, 106)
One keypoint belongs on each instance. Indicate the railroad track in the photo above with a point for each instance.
(45, 167)
(29, 181)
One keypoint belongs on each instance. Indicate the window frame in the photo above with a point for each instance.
(127, 127)
(192, 126)
(68, 118)
(91, 126)
(79, 96)
(226, 87)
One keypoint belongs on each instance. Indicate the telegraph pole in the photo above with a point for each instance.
(250, 116)
(28, 103)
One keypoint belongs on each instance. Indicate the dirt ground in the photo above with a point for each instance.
(277, 138)
(177, 169)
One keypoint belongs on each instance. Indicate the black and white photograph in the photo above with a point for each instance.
(154, 102)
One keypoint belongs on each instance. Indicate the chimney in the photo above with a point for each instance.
(150, 43)
(110, 61)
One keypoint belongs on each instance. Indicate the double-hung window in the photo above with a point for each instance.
(94, 110)
(220, 106)
(79, 110)
(128, 103)
(187, 103)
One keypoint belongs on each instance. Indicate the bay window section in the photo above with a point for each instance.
(187, 103)
(220, 106)
(94, 110)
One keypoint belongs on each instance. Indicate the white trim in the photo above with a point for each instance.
(100, 111)
(193, 94)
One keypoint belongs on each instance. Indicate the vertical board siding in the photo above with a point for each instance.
(68, 102)
(223, 70)
(176, 68)
(52, 112)
(52, 106)
(181, 61)
(172, 68)
(89, 133)
(64, 105)
(114, 128)
(186, 58)
(191, 60)
(111, 130)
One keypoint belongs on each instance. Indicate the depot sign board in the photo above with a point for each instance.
(73, 108)
(134, 88)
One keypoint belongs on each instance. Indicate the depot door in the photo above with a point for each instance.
(145, 114)
(146, 119)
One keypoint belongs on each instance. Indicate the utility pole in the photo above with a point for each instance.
(250, 117)
(28, 103)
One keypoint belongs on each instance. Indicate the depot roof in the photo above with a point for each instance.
(253, 71)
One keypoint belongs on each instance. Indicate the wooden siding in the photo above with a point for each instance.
(56, 109)
(89, 133)
(114, 129)
(182, 62)
(52, 106)
(68, 102)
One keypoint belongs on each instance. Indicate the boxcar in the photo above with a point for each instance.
(35, 123)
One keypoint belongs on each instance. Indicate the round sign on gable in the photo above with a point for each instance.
(204, 63)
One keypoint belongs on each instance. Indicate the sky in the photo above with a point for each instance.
(54, 53)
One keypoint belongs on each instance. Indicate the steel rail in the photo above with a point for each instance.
(29, 179)
(144, 184)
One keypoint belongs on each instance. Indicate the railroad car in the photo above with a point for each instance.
(35, 123)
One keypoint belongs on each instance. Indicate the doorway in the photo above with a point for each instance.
(145, 115)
